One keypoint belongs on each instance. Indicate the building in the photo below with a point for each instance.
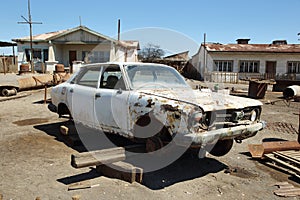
(232, 62)
(75, 46)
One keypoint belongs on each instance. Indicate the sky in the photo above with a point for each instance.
(174, 25)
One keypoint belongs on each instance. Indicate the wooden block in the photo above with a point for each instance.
(139, 174)
(76, 197)
(64, 130)
(99, 157)
(72, 140)
(122, 170)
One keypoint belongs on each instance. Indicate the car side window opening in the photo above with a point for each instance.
(89, 77)
(112, 78)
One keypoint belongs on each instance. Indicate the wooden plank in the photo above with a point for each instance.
(291, 153)
(97, 153)
(82, 185)
(72, 140)
(104, 156)
(288, 192)
(122, 170)
(279, 154)
(99, 157)
(281, 184)
(272, 157)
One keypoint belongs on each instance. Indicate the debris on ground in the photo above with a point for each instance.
(82, 185)
(286, 190)
(282, 127)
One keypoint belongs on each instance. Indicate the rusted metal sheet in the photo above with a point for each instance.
(259, 150)
(208, 100)
(287, 48)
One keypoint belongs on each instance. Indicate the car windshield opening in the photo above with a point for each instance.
(153, 76)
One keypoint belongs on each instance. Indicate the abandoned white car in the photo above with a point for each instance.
(152, 103)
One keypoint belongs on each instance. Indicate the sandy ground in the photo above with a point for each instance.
(35, 161)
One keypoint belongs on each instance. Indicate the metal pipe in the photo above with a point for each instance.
(291, 91)
(7, 92)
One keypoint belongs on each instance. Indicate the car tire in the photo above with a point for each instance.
(153, 144)
(222, 147)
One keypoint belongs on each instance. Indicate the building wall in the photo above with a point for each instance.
(280, 59)
(79, 36)
(62, 51)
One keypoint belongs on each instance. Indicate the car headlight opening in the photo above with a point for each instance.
(254, 115)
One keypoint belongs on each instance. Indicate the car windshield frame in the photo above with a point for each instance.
(161, 76)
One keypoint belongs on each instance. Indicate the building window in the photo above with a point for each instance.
(223, 65)
(45, 54)
(247, 66)
(85, 56)
(293, 67)
(99, 56)
(37, 54)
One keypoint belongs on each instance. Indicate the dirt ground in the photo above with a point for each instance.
(35, 161)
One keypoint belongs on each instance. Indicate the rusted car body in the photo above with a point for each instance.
(152, 103)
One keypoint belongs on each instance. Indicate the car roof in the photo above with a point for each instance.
(124, 64)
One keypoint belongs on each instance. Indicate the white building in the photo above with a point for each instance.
(244, 60)
(76, 45)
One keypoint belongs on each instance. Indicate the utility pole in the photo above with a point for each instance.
(29, 21)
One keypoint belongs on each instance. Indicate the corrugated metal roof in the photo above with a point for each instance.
(178, 56)
(45, 37)
(7, 44)
(267, 48)
(40, 37)
(131, 43)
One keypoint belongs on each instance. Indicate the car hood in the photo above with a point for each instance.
(207, 100)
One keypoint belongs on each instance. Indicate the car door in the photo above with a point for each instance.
(111, 101)
(83, 96)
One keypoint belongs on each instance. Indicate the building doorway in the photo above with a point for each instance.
(270, 70)
(72, 57)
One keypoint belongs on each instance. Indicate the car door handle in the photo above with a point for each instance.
(97, 95)
(71, 90)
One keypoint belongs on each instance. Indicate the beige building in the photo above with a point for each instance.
(75, 46)
(244, 60)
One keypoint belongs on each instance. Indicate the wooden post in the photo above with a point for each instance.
(4, 65)
(299, 128)
(14, 55)
(45, 96)
(1, 197)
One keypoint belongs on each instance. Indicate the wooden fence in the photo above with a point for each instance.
(8, 64)
(235, 77)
